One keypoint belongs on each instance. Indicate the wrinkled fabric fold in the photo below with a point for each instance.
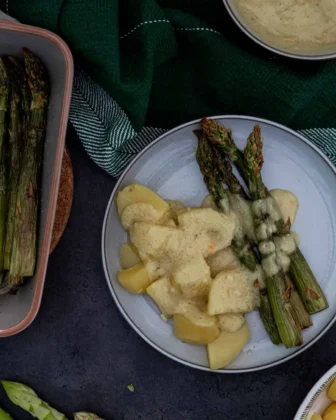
(161, 63)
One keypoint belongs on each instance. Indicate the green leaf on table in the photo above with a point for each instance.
(4, 415)
(26, 398)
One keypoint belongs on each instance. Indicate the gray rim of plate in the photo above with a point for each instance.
(269, 47)
(114, 295)
(313, 394)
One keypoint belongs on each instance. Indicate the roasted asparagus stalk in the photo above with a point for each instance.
(214, 170)
(3, 158)
(206, 159)
(15, 72)
(23, 255)
(301, 274)
(265, 219)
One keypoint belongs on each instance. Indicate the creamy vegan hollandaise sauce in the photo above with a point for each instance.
(305, 25)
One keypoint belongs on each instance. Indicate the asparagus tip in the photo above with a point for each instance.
(37, 76)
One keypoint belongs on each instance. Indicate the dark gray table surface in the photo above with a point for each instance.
(80, 354)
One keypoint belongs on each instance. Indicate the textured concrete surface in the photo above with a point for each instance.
(79, 354)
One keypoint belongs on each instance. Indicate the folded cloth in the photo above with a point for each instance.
(159, 63)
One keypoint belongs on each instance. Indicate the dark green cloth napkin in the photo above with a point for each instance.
(158, 63)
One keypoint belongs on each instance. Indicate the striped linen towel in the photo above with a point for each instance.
(159, 63)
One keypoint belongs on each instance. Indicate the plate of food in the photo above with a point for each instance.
(218, 244)
(320, 402)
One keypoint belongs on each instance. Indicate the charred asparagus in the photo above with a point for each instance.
(3, 168)
(24, 242)
(301, 274)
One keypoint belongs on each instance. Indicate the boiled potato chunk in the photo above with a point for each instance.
(230, 322)
(151, 239)
(330, 413)
(192, 330)
(165, 296)
(218, 228)
(136, 193)
(227, 346)
(138, 212)
(196, 313)
(332, 390)
(192, 278)
(287, 202)
(129, 255)
(316, 417)
(231, 292)
(134, 279)
(225, 259)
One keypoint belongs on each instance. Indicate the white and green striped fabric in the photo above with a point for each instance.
(108, 137)
(104, 128)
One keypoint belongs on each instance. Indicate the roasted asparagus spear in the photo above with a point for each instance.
(301, 274)
(3, 155)
(205, 159)
(23, 256)
(265, 220)
(14, 70)
(213, 172)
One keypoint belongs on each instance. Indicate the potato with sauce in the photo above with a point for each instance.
(129, 255)
(231, 292)
(287, 202)
(134, 279)
(192, 278)
(194, 326)
(225, 259)
(227, 347)
(165, 296)
(182, 258)
(136, 193)
(230, 322)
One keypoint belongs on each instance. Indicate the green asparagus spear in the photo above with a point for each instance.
(4, 88)
(222, 137)
(266, 315)
(3, 167)
(265, 310)
(301, 313)
(15, 146)
(27, 399)
(301, 274)
(306, 283)
(213, 169)
(23, 256)
(3, 205)
(205, 159)
(4, 415)
(279, 295)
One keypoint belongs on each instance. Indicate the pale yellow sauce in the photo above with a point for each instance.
(305, 25)
(201, 232)
(186, 248)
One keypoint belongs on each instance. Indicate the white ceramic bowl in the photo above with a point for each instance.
(169, 167)
(317, 399)
(320, 54)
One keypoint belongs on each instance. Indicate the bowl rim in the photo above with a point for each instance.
(314, 393)
(269, 47)
(42, 267)
(106, 272)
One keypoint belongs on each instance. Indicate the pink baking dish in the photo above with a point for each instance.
(18, 311)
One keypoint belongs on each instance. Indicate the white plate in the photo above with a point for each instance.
(317, 400)
(168, 166)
